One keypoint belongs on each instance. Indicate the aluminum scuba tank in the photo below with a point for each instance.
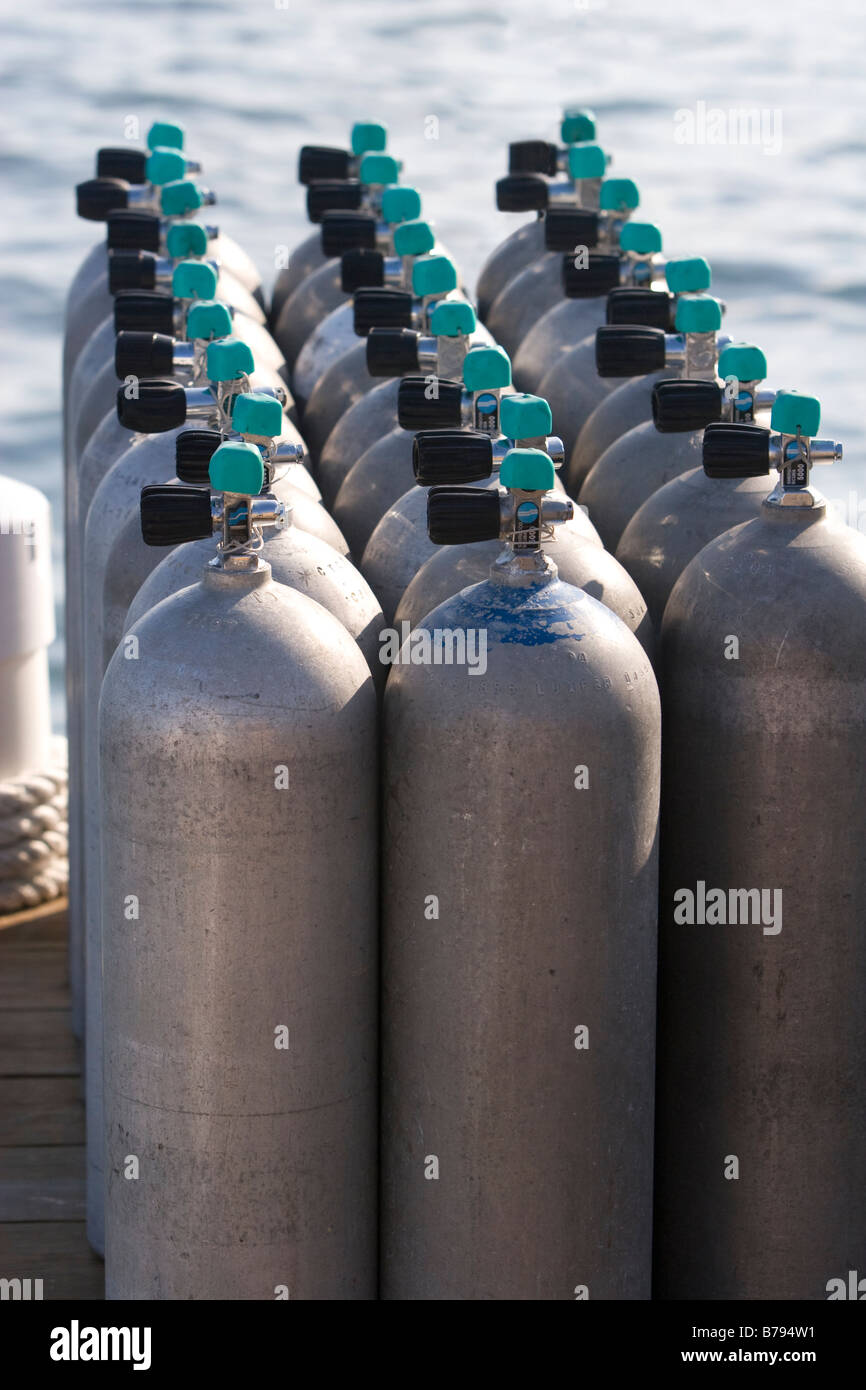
(434, 279)
(252, 1061)
(649, 455)
(331, 179)
(383, 472)
(518, 1043)
(335, 335)
(400, 544)
(684, 515)
(595, 420)
(116, 563)
(526, 189)
(394, 353)
(761, 1127)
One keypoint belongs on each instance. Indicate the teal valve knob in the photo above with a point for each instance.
(641, 238)
(194, 280)
(185, 239)
(165, 135)
(433, 275)
(208, 319)
(452, 318)
(525, 417)
(237, 467)
(578, 123)
(228, 359)
(413, 238)
(698, 313)
(794, 413)
(528, 470)
(165, 166)
(180, 197)
(618, 195)
(486, 369)
(400, 203)
(588, 162)
(257, 414)
(378, 169)
(743, 361)
(688, 275)
(368, 137)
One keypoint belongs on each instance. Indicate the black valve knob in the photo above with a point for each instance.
(461, 515)
(382, 308)
(327, 195)
(121, 162)
(679, 406)
(599, 276)
(521, 193)
(171, 515)
(193, 451)
(629, 350)
(153, 407)
(451, 456)
(143, 354)
(567, 228)
(652, 308)
(131, 270)
(143, 310)
(429, 404)
(96, 198)
(126, 229)
(361, 268)
(343, 230)
(532, 157)
(316, 162)
(392, 351)
(736, 451)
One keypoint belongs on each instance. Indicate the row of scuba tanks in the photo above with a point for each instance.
(381, 989)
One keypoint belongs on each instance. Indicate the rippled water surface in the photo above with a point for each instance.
(252, 80)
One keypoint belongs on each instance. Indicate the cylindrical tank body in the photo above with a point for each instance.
(631, 470)
(371, 417)
(506, 261)
(677, 521)
(627, 402)
(523, 301)
(576, 389)
(240, 987)
(566, 324)
(305, 260)
(761, 1129)
(517, 1040)
(26, 628)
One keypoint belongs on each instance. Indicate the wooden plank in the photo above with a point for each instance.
(41, 1110)
(33, 976)
(37, 1042)
(55, 1252)
(47, 920)
(42, 1184)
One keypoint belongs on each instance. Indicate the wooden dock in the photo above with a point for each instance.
(41, 1114)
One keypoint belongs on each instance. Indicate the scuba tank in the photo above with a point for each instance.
(383, 471)
(538, 286)
(335, 334)
(761, 1120)
(400, 544)
(395, 353)
(526, 189)
(518, 1039)
(595, 419)
(446, 458)
(117, 560)
(587, 279)
(240, 747)
(651, 454)
(347, 379)
(684, 515)
(330, 176)
(576, 380)
(298, 559)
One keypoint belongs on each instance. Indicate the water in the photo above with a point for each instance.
(251, 80)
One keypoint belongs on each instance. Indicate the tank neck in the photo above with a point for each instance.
(253, 575)
(523, 569)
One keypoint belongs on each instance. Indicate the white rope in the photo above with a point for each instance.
(34, 835)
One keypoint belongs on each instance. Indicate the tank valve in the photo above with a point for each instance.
(683, 405)
(790, 446)
(466, 456)
(523, 513)
(400, 351)
(627, 350)
(430, 403)
(325, 162)
(363, 266)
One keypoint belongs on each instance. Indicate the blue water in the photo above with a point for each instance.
(254, 79)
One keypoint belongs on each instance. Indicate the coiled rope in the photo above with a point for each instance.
(34, 835)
